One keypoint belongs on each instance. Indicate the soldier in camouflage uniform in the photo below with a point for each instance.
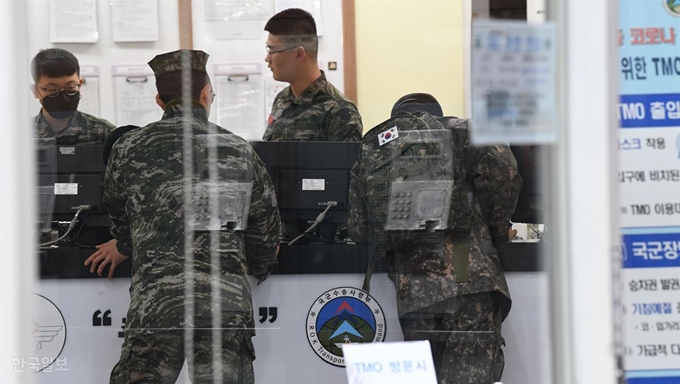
(311, 108)
(56, 74)
(461, 320)
(57, 82)
(190, 290)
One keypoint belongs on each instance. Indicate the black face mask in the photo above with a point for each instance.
(62, 106)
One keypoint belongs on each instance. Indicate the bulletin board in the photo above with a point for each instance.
(234, 35)
(104, 52)
(124, 33)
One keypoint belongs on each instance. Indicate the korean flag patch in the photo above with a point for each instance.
(388, 135)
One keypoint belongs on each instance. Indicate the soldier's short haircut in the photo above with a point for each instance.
(54, 62)
(169, 85)
(295, 22)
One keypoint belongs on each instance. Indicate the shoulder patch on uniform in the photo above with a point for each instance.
(388, 135)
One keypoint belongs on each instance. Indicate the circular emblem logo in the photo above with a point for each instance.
(341, 316)
(673, 7)
(49, 332)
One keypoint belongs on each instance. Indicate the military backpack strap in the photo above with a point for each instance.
(376, 250)
(461, 251)
(461, 256)
(366, 286)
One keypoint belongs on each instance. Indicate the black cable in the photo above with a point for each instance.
(71, 225)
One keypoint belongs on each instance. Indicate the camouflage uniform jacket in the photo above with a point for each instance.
(83, 129)
(144, 195)
(424, 277)
(320, 113)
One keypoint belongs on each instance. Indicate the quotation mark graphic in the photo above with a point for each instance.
(266, 312)
(98, 320)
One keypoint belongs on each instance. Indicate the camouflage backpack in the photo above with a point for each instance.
(409, 184)
(223, 183)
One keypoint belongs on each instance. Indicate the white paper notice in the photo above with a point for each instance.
(134, 20)
(313, 184)
(649, 161)
(237, 30)
(73, 21)
(651, 309)
(238, 10)
(136, 100)
(405, 362)
(513, 83)
(311, 6)
(89, 103)
(65, 188)
(240, 105)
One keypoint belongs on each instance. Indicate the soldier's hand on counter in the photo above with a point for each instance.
(106, 254)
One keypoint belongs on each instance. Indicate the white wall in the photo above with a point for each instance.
(536, 11)
(252, 51)
(104, 52)
(590, 130)
(284, 355)
(17, 275)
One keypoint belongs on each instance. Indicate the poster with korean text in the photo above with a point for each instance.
(649, 185)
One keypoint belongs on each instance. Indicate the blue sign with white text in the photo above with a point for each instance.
(651, 251)
(648, 67)
(649, 111)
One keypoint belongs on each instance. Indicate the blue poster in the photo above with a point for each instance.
(649, 183)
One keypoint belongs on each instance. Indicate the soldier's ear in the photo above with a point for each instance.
(206, 95)
(34, 89)
(160, 102)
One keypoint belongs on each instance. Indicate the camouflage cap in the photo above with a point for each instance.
(172, 61)
(415, 102)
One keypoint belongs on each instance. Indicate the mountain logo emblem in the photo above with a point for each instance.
(341, 316)
(673, 7)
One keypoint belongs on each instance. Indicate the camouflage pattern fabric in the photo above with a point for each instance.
(158, 358)
(320, 113)
(403, 161)
(83, 129)
(144, 193)
(172, 61)
(486, 188)
(465, 338)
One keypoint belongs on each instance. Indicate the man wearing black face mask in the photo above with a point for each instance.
(56, 74)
